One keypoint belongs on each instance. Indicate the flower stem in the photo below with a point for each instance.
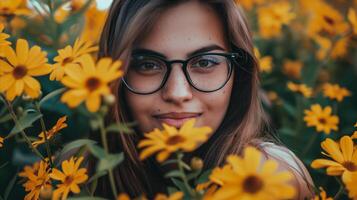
(103, 134)
(17, 124)
(309, 144)
(183, 177)
(44, 130)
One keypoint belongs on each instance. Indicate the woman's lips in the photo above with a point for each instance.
(176, 119)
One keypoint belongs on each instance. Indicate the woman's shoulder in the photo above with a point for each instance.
(289, 161)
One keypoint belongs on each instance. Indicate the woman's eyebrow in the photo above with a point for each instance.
(197, 51)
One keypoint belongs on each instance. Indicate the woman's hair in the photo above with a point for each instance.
(243, 123)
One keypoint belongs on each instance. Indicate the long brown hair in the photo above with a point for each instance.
(243, 123)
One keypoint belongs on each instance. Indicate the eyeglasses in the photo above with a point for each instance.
(206, 72)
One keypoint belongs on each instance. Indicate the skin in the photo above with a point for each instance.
(175, 35)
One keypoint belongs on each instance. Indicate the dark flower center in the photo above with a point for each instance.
(322, 120)
(67, 60)
(92, 83)
(252, 184)
(19, 72)
(350, 166)
(329, 20)
(175, 140)
(68, 180)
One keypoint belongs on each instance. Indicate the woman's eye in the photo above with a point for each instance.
(147, 66)
(204, 63)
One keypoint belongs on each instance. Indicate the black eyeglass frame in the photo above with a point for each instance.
(237, 58)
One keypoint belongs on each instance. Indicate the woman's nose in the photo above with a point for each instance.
(177, 88)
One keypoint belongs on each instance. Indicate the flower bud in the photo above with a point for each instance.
(109, 99)
(196, 163)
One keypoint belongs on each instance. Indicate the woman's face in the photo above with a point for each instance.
(179, 31)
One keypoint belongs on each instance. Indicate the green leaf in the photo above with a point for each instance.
(174, 173)
(110, 161)
(172, 190)
(5, 118)
(187, 167)
(96, 176)
(193, 174)
(51, 95)
(286, 131)
(204, 176)
(24, 122)
(97, 151)
(180, 185)
(77, 144)
(121, 128)
(171, 161)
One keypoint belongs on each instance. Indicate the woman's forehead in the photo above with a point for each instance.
(183, 29)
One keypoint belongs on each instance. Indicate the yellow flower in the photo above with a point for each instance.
(350, 180)
(300, 88)
(334, 91)
(170, 140)
(3, 37)
(292, 68)
(265, 63)
(324, 44)
(248, 177)
(70, 178)
(321, 119)
(352, 17)
(343, 154)
(322, 195)
(1, 141)
(248, 4)
(94, 22)
(123, 196)
(19, 69)
(14, 7)
(174, 196)
(326, 20)
(59, 125)
(354, 136)
(271, 18)
(69, 56)
(90, 81)
(36, 178)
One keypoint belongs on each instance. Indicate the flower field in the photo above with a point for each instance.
(54, 92)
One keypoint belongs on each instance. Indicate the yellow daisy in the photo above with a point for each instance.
(90, 81)
(174, 196)
(249, 4)
(170, 140)
(3, 37)
(14, 7)
(19, 68)
(354, 136)
(70, 178)
(322, 195)
(1, 141)
(350, 180)
(123, 196)
(326, 20)
(50, 133)
(271, 18)
(265, 62)
(248, 177)
(343, 154)
(334, 91)
(352, 17)
(69, 56)
(36, 178)
(300, 88)
(94, 23)
(321, 118)
(292, 68)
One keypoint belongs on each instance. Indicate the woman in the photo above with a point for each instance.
(168, 49)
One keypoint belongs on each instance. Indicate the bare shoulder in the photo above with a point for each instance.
(289, 161)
